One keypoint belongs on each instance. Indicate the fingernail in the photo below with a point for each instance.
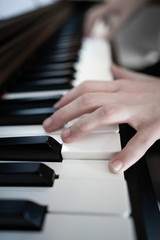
(66, 132)
(116, 165)
(47, 123)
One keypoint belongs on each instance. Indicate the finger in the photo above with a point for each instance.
(133, 151)
(103, 116)
(87, 87)
(123, 73)
(96, 14)
(114, 28)
(64, 115)
(84, 104)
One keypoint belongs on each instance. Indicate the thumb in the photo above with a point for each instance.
(133, 151)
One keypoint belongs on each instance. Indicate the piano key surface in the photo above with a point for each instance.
(80, 169)
(71, 227)
(86, 197)
(26, 174)
(21, 215)
(97, 197)
(32, 130)
(93, 146)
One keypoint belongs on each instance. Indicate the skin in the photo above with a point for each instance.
(133, 98)
(122, 9)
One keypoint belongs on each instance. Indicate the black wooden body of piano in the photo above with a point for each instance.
(37, 54)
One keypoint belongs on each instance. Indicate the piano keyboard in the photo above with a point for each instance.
(72, 196)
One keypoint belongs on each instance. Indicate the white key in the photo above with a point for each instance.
(33, 130)
(75, 227)
(94, 57)
(84, 170)
(94, 61)
(100, 197)
(81, 169)
(33, 94)
(100, 29)
(93, 146)
(24, 130)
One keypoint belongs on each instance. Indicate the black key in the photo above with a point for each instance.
(60, 57)
(25, 116)
(68, 44)
(68, 34)
(54, 67)
(59, 51)
(29, 81)
(50, 74)
(42, 85)
(26, 174)
(62, 49)
(64, 44)
(27, 111)
(36, 148)
(56, 61)
(21, 215)
(29, 102)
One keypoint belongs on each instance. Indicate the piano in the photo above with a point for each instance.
(50, 189)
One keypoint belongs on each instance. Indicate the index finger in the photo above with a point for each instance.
(87, 87)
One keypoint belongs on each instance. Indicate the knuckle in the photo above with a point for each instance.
(84, 87)
(108, 113)
(118, 85)
(122, 83)
(86, 100)
(104, 112)
(131, 154)
(82, 126)
(138, 147)
(143, 139)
